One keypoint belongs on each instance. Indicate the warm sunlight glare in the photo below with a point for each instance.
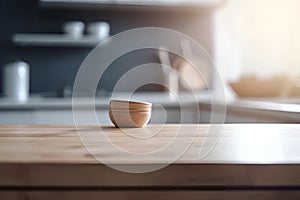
(261, 146)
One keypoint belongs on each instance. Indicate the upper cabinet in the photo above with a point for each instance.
(166, 3)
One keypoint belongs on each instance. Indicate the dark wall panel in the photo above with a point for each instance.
(52, 68)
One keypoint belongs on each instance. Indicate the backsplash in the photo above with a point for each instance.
(53, 68)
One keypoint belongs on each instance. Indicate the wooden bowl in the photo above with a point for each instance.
(130, 119)
(277, 86)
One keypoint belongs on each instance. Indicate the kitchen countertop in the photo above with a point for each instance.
(36, 102)
(254, 161)
(267, 110)
(260, 110)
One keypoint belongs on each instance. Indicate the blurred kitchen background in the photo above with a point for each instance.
(254, 44)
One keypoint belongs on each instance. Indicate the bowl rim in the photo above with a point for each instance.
(130, 102)
(133, 113)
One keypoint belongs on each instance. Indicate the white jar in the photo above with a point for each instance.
(16, 80)
(74, 29)
(99, 29)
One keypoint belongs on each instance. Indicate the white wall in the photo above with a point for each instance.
(258, 37)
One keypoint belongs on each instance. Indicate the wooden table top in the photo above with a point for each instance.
(245, 156)
(238, 143)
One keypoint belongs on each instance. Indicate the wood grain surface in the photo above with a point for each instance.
(237, 143)
(249, 161)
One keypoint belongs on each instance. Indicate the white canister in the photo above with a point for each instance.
(73, 29)
(16, 80)
(99, 29)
